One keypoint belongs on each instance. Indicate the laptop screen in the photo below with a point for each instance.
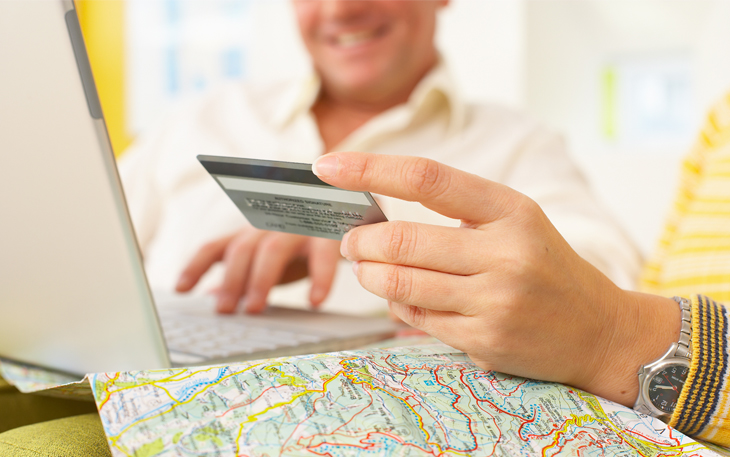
(74, 296)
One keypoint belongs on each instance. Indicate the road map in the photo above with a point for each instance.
(412, 401)
(30, 379)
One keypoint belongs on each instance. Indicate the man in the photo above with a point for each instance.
(522, 300)
(379, 86)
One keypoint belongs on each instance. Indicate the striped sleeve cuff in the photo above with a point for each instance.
(703, 408)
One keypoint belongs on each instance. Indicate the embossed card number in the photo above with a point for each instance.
(288, 197)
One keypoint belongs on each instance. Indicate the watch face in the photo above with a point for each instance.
(666, 385)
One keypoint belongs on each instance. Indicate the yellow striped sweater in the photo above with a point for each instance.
(693, 258)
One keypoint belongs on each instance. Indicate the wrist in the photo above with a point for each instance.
(645, 327)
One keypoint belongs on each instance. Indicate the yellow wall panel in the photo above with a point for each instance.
(102, 22)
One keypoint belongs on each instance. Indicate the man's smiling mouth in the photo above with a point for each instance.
(350, 40)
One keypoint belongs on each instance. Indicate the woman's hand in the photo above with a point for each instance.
(505, 287)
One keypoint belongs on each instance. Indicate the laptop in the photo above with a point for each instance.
(73, 291)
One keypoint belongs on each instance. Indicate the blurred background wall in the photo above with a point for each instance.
(627, 81)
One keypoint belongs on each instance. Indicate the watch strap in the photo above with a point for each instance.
(684, 349)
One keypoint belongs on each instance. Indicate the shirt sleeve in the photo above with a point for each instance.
(702, 408)
(545, 172)
(137, 170)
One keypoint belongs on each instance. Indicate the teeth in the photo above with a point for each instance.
(353, 39)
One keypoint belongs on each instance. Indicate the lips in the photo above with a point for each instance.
(359, 38)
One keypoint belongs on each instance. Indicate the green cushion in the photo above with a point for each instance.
(18, 409)
(78, 436)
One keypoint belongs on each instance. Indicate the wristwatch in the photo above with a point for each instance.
(661, 381)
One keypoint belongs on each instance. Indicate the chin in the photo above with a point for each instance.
(360, 81)
(361, 78)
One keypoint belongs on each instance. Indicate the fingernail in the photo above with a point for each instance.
(343, 245)
(251, 303)
(325, 166)
(355, 266)
(226, 303)
(184, 282)
(316, 296)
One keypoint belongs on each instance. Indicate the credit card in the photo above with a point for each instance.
(289, 197)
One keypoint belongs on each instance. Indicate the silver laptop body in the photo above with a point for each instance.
(73, 293)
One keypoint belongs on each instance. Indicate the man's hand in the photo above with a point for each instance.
(257, 260)
(505, 287)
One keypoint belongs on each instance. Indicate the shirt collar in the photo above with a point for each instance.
(435, 87)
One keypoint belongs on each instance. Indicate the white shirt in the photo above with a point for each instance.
(177, 207)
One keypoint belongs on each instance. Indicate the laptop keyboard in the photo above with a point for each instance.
(214, 338)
